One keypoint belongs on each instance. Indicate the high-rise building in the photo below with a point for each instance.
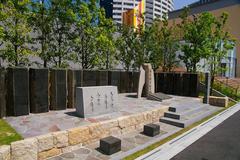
(153, 8)
(157, 9)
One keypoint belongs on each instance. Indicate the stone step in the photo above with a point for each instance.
(178, 109)
(175, 115)
(174, 122)
(172, 115)
(186, 120)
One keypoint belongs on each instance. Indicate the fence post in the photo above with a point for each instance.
(207, 89)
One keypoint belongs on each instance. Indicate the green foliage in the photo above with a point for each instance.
(125, 46)
(40, 21)
(226, 90)
(62, 16)
(15, 31)
(197, 31)
(221, 43)
(165, 45)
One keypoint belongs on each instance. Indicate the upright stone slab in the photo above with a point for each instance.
(169, 83)
(186, 84)
(177, 84)
(58, 89)
(125, 83)
(194, 85)
(2, 93)
(39, 80)
(135, 79)
(94, 101)
(114, 79)
(102, 78)
(17, 92)
(149, 79)
(141, 82)
(160, 82)
(74, 80)
(89, 78)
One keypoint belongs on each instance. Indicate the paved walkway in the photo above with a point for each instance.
(216, 139)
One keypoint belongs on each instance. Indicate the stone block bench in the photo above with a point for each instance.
(110, 145)
(151, 130)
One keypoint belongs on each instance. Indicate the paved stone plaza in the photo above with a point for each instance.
(38, 124)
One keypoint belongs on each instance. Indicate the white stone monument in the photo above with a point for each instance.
(93, 101)
(146, 78)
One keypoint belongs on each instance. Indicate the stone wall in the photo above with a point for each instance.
(52, 144)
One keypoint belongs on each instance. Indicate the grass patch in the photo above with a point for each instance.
(163, 141)
(8, 134)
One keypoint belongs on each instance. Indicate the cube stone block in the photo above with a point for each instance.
(110, 145)
(151, 130)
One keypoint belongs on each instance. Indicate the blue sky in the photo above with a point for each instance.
(181, 3)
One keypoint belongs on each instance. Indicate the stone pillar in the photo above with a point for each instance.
(74, 80)
(58, 89)
(149, 79)
(17, 92)
(2, 93)
(39, 80)
(207, 88)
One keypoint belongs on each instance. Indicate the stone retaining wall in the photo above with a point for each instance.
(52, 144)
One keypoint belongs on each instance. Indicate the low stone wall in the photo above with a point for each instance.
(53, 144)
(218, 101)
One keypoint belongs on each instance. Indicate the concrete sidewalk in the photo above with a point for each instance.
(216, 139)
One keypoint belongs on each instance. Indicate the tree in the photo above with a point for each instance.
(41, 22)
(164, 45)
(84, 42)
(106, 49)
(125, 46)
(62, 16)
(16, 32)
(196, 36)
(221, 43)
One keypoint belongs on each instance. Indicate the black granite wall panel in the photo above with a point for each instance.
(74, 80)
(2, 93)
(102, 78)
(17, 92)
(89, 78)
(135, 79)
(58, 89)
(125, 82)
(177, 84)
(194, 83)
(114, 79)
(182, 84)
(39, 80)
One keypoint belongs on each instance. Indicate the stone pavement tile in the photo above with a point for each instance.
(103, 157)
(141, 139)
(69, 155)
(92, 158)
(55, 158)
(82, 151)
